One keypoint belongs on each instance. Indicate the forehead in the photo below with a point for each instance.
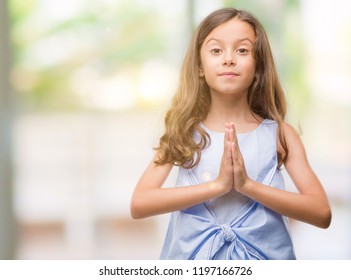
(232, 30)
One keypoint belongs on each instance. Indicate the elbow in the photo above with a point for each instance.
(135, 213)
(136, 209)
(325, 219)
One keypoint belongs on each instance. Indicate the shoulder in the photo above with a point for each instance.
(296, 149)
(289, 131)
(289, 144)
(291, 134)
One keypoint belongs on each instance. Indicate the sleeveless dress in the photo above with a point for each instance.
(232, 226)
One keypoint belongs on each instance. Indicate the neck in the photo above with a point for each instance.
(229, 109)
(225, 109)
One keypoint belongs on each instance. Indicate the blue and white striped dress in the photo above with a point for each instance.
(232, 226)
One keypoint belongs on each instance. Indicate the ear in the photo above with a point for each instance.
(201, 72)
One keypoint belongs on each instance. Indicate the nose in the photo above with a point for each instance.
(229, 60)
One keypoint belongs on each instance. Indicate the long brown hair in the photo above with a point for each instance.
(192, 99)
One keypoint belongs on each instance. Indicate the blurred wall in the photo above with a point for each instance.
(7, 234)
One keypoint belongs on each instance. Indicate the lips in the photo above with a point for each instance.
(228, 74)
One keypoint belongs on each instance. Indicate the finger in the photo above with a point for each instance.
(234, 135)
(228, 155)
(226, 134)
(231, 136)
(236, 154)
(227, 150)
(233, 153)
(226, 140)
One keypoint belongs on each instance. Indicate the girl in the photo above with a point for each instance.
(225, 130)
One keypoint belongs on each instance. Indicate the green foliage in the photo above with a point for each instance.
(20, 9)
(109, 36)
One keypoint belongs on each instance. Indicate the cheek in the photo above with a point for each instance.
(250, 68)
(208, 63)
(205, 61)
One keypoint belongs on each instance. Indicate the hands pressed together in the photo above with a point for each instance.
(232, 172)
(309, 205)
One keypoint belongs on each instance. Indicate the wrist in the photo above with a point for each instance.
(247, 187)
(219, 187)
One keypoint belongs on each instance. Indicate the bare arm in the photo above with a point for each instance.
(310, 205)
(149, 198)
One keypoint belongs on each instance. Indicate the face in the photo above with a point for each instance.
(227, 58)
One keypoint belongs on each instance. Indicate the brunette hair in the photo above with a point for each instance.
(192, 99)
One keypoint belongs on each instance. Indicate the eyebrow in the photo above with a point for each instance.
(239, 40)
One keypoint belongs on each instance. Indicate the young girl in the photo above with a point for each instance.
(225, 130)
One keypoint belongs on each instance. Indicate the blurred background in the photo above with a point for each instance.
(84, 86)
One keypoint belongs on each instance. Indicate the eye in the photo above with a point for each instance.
(242, 51)
(216, 51)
